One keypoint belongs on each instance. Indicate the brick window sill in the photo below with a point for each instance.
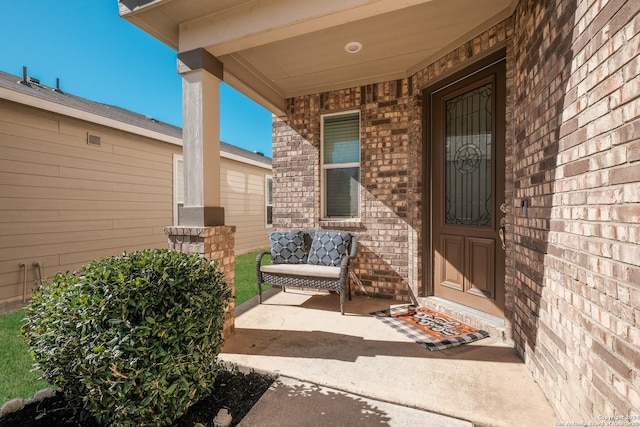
(341, 223)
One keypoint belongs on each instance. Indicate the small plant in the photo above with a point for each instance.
(131, 339)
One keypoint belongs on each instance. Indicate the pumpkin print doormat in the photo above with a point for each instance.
(429, 328)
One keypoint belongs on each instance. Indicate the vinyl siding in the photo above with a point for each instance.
(243, 198)
(64, 202)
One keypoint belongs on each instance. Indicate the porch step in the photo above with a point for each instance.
(496, 326)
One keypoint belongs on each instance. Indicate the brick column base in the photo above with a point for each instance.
(214, 243)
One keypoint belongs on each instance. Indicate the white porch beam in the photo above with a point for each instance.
(258, 22)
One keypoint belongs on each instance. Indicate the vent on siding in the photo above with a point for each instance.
(93, 140)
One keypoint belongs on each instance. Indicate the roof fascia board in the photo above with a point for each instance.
(151, 19)
(32, 101)
(251, 83)
(132, 7)
(257, 23)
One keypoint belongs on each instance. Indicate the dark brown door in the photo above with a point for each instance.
(468, 171)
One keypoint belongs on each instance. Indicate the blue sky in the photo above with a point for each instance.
(102, 57)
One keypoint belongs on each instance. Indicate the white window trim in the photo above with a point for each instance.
(266, 200)
(323, 167)
(176, 158)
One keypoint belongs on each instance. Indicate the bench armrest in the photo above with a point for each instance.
(354, 247)
(259, 260)
(352, 253)
(259, 257)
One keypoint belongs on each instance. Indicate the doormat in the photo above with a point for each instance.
(429, 328)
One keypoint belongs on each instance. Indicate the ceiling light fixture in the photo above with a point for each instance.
(353, 47)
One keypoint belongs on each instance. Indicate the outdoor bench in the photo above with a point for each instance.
(317, 259)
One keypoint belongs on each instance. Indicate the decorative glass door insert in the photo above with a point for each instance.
(467, 163)
(468, 145)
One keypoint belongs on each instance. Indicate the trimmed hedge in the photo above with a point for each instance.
(131, 339)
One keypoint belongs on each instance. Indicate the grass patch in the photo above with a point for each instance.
(16, 378)
(246, 281)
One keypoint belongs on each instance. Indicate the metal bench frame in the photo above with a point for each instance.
(341, 285)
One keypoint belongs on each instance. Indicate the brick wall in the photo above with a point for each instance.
(390, 259)
(572, 153)
(577, 301)
(382, 264)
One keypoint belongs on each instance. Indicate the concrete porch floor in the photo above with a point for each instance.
(301, 335)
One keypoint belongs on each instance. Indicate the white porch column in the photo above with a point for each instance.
(201, 76)
(201, 226)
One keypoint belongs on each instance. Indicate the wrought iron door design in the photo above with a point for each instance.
(468, 146)
(467, 165)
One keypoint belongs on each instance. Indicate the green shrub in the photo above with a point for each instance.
(131, 339)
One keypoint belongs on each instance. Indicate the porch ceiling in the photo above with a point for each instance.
(273, 50)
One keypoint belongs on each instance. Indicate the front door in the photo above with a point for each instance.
(467, 184)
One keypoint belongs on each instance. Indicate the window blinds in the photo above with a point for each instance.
(342, 139)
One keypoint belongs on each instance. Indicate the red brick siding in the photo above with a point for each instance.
(382, 230)
(390, 260)
(296, 176)
(577, 254)
(572, 148)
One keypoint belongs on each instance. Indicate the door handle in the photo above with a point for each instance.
(501, 232)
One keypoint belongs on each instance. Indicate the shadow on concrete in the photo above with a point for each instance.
(294, 404)
(290, 402)
(347, 348)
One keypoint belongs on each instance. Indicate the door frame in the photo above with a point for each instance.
(428, 287)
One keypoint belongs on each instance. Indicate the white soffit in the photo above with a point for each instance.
(394, 46)
(276, 49)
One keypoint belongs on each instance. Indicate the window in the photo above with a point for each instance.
(341, 165)
(268, 195)
(178, 186)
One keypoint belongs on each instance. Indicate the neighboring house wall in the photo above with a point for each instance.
(64, 202)
(242, 194)
(572, 151)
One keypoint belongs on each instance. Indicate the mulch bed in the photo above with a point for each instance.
(234, 390)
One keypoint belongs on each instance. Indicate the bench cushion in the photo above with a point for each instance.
(329, 247)
(302, 270)
(287, 247)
